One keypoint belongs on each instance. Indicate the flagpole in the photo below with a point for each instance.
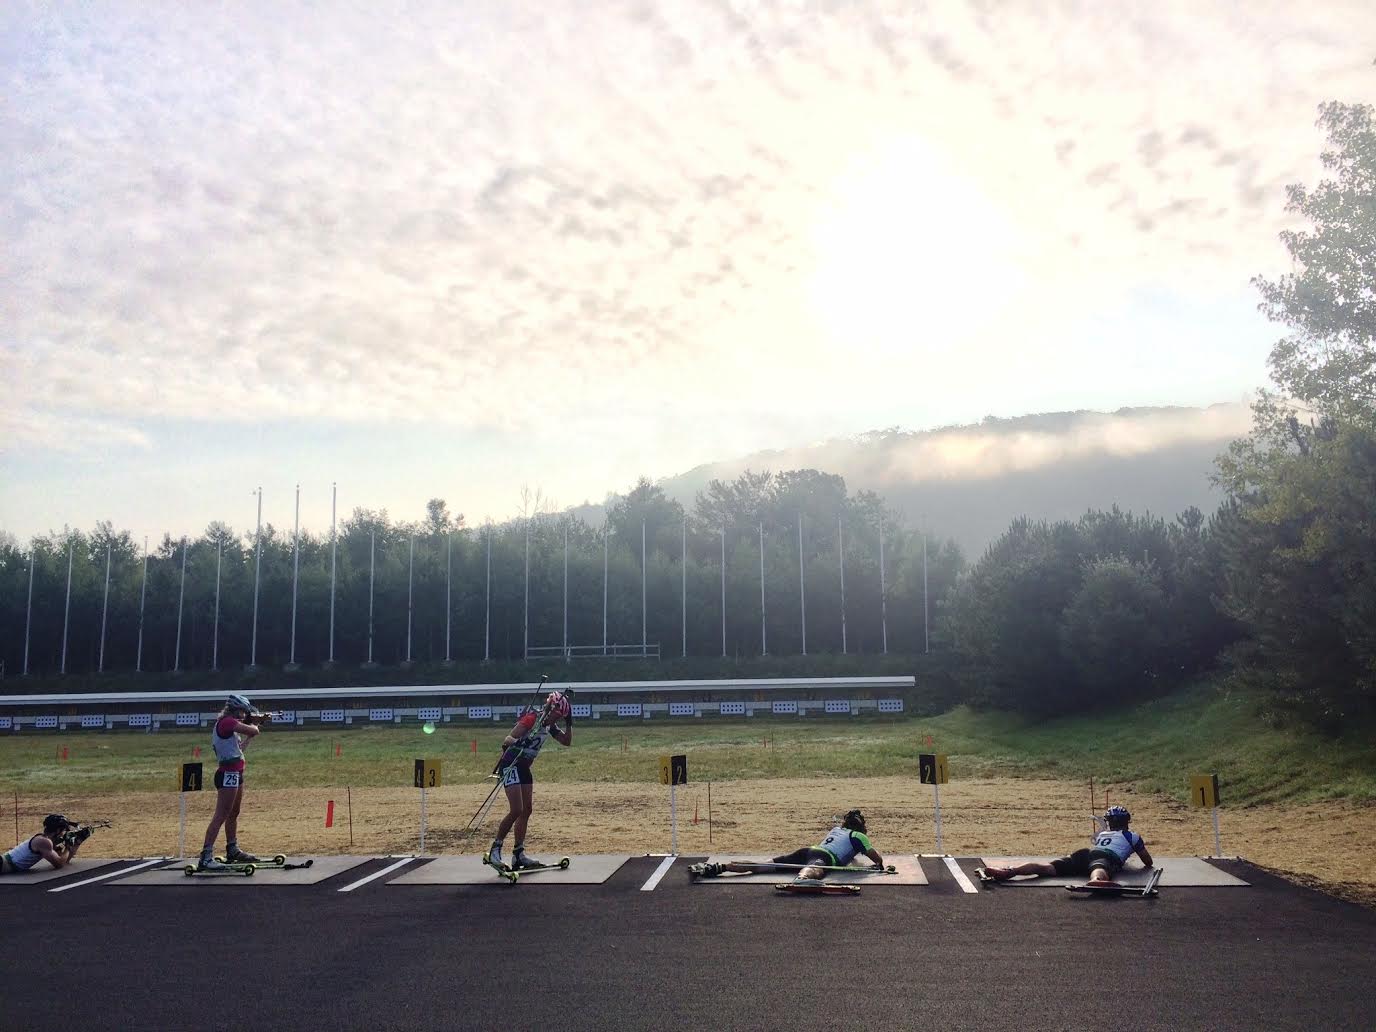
(372, 572)
(334, 547)
(215, 634)
(764, 644)
(802, 589)
(606, 536)
(644, 635)
(525, 605)
(257, 569)
(28, 612)
(841, 553)
(67, 608)
(181, 598)
(684, 603)
(143, 595)
(487, 611)
(723, 592)
(448, 592)
(883, 594)
(104, 609)
(926, 636)
(295, 574)
(566, 589)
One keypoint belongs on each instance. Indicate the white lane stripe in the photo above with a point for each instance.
(960, 875)
(111, 874)
(660, 872)
(377, 874)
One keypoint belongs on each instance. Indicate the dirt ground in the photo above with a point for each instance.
(1311, 842)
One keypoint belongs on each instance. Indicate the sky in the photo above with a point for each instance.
(461, 250)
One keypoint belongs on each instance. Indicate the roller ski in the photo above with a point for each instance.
(216, 868)
(277, 862)
(813, 887)
(522, 864)
(1111, 888)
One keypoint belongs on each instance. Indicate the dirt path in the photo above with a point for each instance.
(997, 816)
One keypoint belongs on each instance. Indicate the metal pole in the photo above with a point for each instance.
(926, 634)
(487, 612)
(566, 590)
(334, 545)
(67, 608)
(143, 594)
(802, 590)
(841, 553)
(683, 606)
(883, 595)
(422, 817)
(410, 594)
(764, 644)
(104, 609)
(28, 613)
(673, 818)
(606, 537)
(295, 573)
(1218, 848)
(372, 568)
(181, 826)
(644, 636)
(181, 598)
(215, 634)
(525, 606)
(448, 577)
(936, 789)
(257, 568)
(723, 592)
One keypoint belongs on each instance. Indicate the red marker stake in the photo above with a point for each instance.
(329, 814)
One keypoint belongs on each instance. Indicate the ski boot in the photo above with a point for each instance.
(238, 856)
(521, 862)
(211, 863)
(705, 870)
(493, 858)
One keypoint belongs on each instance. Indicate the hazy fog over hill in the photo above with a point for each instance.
(971, 481)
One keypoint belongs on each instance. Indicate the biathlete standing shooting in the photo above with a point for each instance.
(238, 724)
(519, 750)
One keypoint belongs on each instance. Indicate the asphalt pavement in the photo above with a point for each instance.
(612, 956)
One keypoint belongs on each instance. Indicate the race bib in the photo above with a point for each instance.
(511, 776)
(231, 779)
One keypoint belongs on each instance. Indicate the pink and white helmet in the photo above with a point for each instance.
(557, 705)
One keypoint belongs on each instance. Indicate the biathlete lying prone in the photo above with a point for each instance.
(812, 863)
(1100, 862)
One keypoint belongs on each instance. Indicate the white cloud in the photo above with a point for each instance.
(431, 212)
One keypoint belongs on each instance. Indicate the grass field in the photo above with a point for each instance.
(1152, 748)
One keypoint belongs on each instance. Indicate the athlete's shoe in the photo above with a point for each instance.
(494, 855)
(238, 856)
(706, 870)
(521, 862)
(209, 863)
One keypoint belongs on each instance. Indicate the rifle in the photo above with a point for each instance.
(78, 833)
(259, 719)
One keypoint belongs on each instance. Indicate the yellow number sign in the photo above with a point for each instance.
(1204, 790)
(931, 769)
(428, 773)
(673, 770)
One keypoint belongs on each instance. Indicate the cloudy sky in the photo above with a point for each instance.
(456, 248)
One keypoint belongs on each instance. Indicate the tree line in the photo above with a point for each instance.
(436, 589)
